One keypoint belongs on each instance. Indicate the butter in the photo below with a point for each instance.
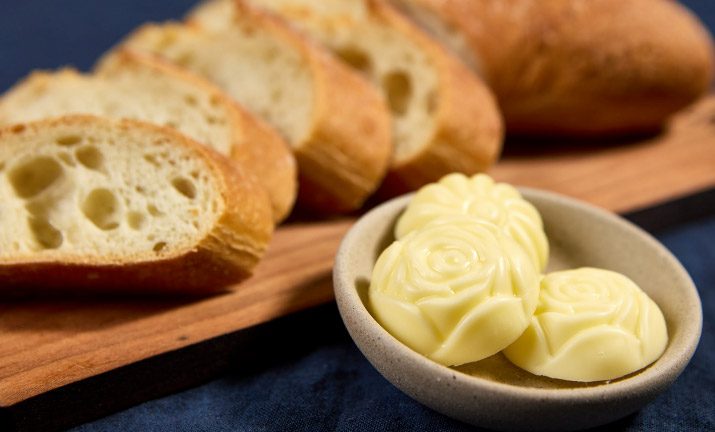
(457, 290)
(479, 197)
(590, 325)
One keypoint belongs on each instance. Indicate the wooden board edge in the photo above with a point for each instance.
(243, 351)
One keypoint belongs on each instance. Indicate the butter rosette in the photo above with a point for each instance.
(457, 290)
(481, 197)
(590, 325)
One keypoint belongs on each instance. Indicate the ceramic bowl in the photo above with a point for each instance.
(493, 393)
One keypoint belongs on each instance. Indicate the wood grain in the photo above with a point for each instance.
(48, 344)
(621, 175)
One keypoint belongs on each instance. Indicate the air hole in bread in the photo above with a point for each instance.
(276, 94)
(215, 101)
(212, 120)
(191, 100)
(32, 177)
(136, 220)
(184, 59)
(90, 157)
(270, 54)
(160, 246)
(185, 187)
(154, 211)
(101, 207)
(398, 88)
(40, 208)
(68, 140)
(356, 58)
(46, 236)
(152, 160)
(431, 102)
(248, 30)
(66, 158)
(167, 39)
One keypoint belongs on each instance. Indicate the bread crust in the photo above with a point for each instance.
(583, 68)
(253, 143)
(468, 131)
(343, 156)
(347, 151)
(256, 146)
(226, 254)
(270, 158)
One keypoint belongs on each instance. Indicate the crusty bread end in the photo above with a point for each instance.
(565, 67)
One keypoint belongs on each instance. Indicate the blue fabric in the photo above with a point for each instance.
(331, 386)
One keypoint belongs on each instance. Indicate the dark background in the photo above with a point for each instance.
(328, 385)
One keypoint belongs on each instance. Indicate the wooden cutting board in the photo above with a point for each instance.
(47, 345)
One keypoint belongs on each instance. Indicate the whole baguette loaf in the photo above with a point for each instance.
(444, 117)
(578, 67)
(95, 205)
(337, 124)
(141, 87)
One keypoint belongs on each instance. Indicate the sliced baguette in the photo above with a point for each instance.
(92, 204)
(565, 67)
(140, 87)
(444, 118)
(337, 124)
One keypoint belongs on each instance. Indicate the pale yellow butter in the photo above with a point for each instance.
(480, 197)
(457, 290)
(590, 325)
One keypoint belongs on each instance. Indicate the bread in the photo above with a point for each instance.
(91, 204)
(444, 118)
(566, 67)
(335, 121)
(143, 88)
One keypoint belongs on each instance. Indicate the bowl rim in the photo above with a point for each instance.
(661, 373)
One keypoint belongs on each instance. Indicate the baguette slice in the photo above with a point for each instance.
(565, 67)
(94, 205)
(444, 118)
(141, 87)
(337, 124)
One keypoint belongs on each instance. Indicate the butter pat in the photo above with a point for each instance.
(457, 290)
(590, 325)
(479, 197)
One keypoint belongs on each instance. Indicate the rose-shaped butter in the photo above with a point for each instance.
(457, 290)
(590, 325)
(480, 197)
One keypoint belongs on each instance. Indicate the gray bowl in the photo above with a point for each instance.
(493, 393)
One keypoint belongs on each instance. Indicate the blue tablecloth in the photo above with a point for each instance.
(330, 386)
(333, 387)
